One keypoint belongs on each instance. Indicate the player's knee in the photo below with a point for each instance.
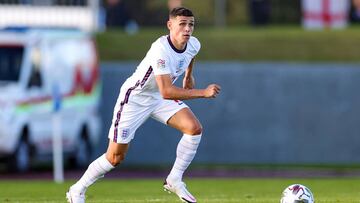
(117, 159)
(195, 129)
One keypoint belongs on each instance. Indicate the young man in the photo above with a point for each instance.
(150, 92)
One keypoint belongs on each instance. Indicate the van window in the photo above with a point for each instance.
(35, 77)
(10, 62)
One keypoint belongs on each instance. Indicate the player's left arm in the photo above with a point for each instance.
(189, 81)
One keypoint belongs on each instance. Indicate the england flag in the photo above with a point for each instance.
(319, 14)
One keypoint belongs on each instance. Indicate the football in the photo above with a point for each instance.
(297, 193)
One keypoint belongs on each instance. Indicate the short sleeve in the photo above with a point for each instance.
(159, 61)
(194, 46)
(197, 44)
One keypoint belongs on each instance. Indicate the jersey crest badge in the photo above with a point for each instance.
(161, 63)
(181, 64)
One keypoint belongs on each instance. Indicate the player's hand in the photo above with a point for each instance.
(212, 91)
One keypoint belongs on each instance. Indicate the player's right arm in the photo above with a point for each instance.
(170, 91)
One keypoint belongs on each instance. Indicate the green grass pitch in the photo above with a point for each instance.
(224, 190)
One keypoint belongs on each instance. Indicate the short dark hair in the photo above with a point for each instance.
(180, 11)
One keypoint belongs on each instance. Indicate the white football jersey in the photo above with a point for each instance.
(162, 58)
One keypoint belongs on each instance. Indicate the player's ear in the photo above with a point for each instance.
(169, 23)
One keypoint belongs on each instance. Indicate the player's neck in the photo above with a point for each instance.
(179, 46)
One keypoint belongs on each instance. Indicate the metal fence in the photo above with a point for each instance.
(47, 2)
(82, 14)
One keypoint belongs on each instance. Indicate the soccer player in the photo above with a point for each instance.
(150, 92)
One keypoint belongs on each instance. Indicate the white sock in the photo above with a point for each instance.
(96, 170)
(185, 153)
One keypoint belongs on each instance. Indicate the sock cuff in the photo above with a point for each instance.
(105, 163)
(195, 139)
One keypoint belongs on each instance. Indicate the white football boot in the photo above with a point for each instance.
(180, 190)
(75, 197)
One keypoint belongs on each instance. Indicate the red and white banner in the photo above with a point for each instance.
(319, 14)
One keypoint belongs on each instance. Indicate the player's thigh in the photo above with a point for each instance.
(126, 120)
(177, 115)
(185, 121)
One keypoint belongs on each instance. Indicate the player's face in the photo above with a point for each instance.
(181, 28)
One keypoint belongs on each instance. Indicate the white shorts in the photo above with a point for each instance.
(129, 115)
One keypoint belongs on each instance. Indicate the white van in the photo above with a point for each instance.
(35, 65)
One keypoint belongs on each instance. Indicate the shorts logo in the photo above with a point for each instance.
(125, 133)
(161, 63)
(179, 102)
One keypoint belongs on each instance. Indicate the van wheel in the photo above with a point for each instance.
(83, 153)
(20, 161)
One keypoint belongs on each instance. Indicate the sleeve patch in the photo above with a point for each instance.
(160, 63)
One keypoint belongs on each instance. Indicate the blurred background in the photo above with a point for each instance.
(289, 72)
